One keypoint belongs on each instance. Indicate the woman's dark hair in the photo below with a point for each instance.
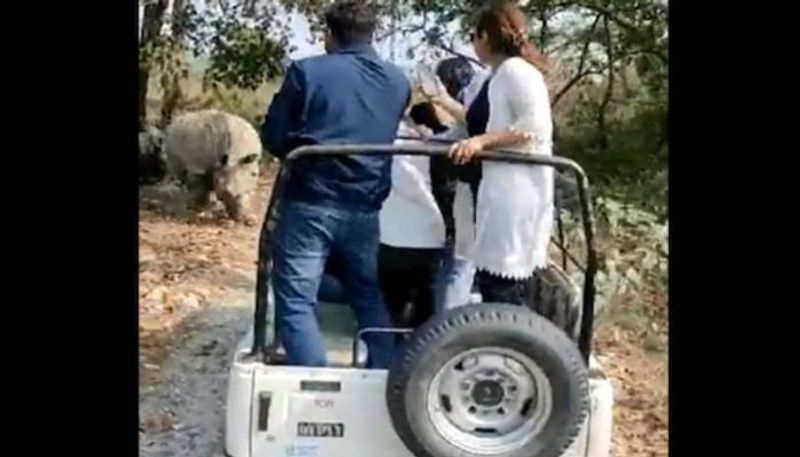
(352, 22)
(504, 24)
(455, 73)
(425, 114)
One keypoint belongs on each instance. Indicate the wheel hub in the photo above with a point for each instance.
(489, 400)
(488, 393)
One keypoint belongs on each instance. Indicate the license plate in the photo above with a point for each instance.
(320, 429)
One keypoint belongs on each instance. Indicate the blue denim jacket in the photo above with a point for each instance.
(347, 97)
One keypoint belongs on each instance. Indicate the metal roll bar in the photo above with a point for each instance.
(264, 341)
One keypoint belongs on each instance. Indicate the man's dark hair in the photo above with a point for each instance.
(352, 22)
(425, 114)
(455, 73)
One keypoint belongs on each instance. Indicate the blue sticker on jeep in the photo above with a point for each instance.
(302, 450)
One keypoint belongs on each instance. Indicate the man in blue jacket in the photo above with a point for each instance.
(330, 205)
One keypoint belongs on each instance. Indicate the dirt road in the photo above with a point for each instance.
(196, 301)
(183, 410)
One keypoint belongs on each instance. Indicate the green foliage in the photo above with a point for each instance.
(244, 40)
(245, 57)
(611, 55)
(633, 251)
(165, 56)
(242, 102)
(633, 167)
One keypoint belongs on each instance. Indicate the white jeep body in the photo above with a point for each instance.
(340, 411)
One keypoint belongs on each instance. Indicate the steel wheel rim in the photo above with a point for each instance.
(489, 400)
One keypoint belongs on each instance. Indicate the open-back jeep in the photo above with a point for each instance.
(480, 380)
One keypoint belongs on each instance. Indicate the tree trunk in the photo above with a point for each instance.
(172, 88)
(172, 96)
(542, 41)
(602, 128)
(152, 21)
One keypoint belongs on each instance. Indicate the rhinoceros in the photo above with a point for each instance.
(214, 151)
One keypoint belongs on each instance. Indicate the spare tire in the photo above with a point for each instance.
(552, 294)
(488, 380)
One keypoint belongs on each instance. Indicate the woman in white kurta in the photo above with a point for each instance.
(515, 201)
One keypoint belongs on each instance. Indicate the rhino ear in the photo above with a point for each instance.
(248, 159)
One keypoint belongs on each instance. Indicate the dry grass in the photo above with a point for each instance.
(640, 394)
(187, 261)
(250, 105)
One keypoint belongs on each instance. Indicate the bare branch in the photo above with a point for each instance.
(580, 74)
(412, 29)
(602, 10)
(574, 80)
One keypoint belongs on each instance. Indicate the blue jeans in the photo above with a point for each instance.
(454, 282)
(332, 290)
(304, 237)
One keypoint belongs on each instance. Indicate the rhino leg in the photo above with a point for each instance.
(235, 205)
(199, 188)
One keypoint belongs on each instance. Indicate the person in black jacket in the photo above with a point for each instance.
(455, 74)
(463, 95)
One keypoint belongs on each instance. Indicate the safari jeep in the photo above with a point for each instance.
(480, 380)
